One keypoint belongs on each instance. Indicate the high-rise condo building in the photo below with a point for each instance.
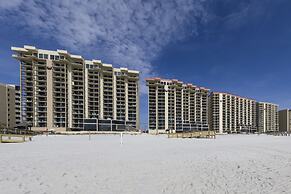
(59, 90)
(9, 106)
(285, 120)
(231, 114)
(267, 117)
(176, 106)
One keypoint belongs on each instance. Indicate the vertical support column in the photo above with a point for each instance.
(101, 97)
(264, 117)
(6, 107)
(114, 114)
(111, 124)
(189, 108)
(157, 111)
(175, 106)
(166, 107)
(195, 107)
(231, 114)
(34, 113)
(86, 92)
(126, 99)
(137, 105)
(220, 113)
(149, 121)
(70, 91)
(66, 99)
(182, 107)
(50, 105)
(21, 93)
(234, 114)
(201, 109)
(288, 120)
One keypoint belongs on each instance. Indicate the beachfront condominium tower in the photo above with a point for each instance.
(285, 120)
(9, 106)
(231, 114)
(267, 117)
(176, 106)
(59, 90)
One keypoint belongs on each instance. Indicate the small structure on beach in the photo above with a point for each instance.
(193, 134)
(14, 138)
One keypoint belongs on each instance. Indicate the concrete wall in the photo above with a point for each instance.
(7, 106)
(285, 120)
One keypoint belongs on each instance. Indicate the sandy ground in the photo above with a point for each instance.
(147, 164)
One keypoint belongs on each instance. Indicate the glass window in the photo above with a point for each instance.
(45, 56)
(62, 57)
(87, 65)
(40, 56)
(57, 57)
(52, 57)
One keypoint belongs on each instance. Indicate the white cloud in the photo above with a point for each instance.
(128, 32)
(7, 4)
(125, 32)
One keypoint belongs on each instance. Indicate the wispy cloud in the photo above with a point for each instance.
(128, 32)
(10, 4)
(232, 15)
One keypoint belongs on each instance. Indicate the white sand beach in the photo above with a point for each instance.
(146, 164)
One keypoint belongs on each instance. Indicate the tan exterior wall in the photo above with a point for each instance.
(267, 117)
(285, 120)
(231, 113)
(7, 106)
(176, 106)
(60, 90)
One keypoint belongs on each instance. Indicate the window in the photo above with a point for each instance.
(34, 54)
(40, 56)
(62, 57)
(45, 56)
(87, 66)
(52, 57)
(57, 57)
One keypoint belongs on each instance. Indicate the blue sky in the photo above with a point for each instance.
(237, 46)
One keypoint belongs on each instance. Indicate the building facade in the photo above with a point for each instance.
(176, 106)
(17, 105)
(285, 120)
(9, 106)
(229, 113)
(59, 90)
(268, 119)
